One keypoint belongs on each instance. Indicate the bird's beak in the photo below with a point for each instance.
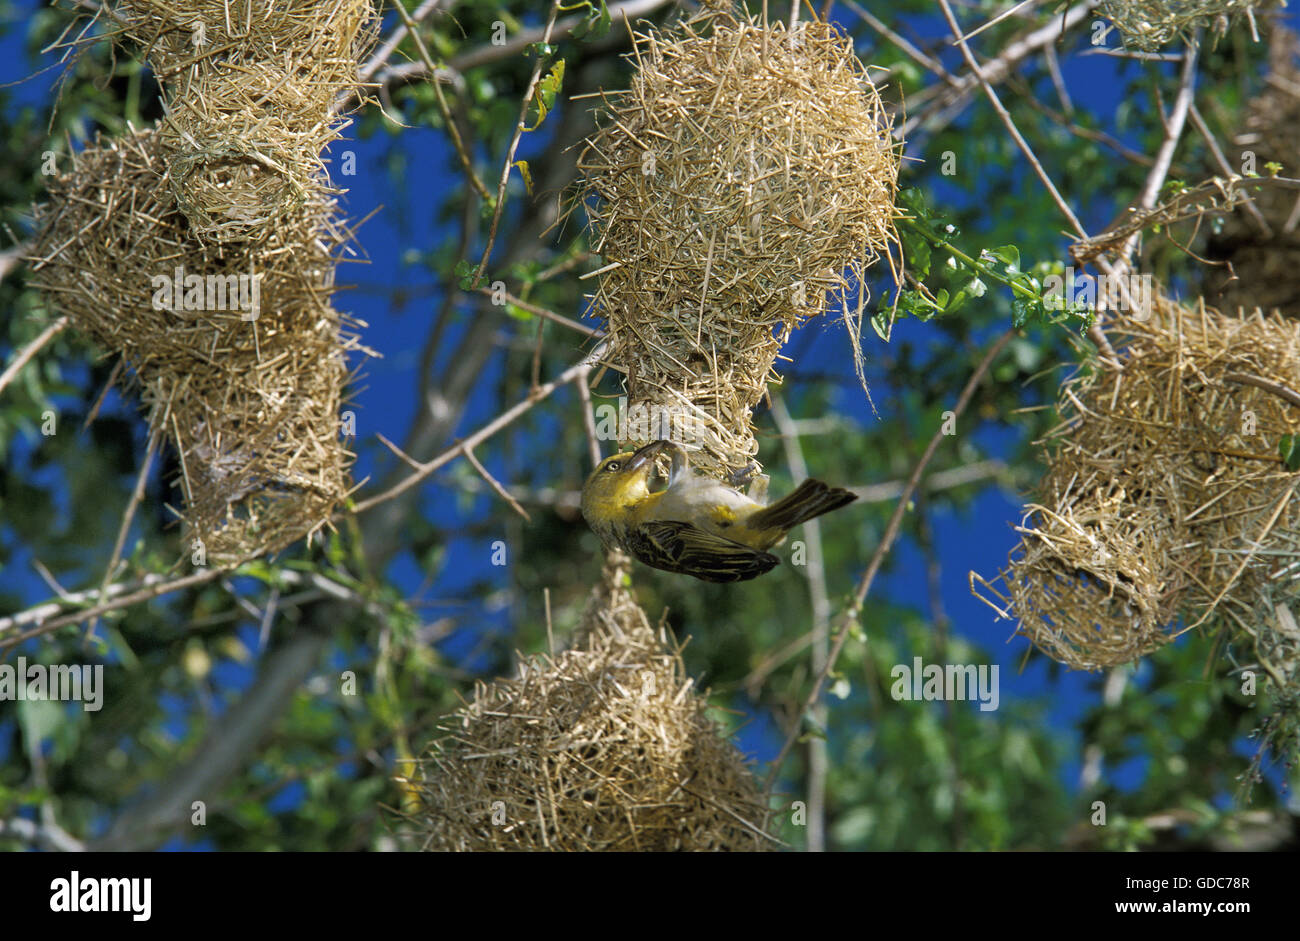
(647, 454)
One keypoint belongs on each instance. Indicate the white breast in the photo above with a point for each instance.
(691, 497)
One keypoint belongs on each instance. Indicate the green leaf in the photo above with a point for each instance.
(1022, 309)
(595, 25)
(1289, 447)
(914, 304)
(465, 274)
(973, 288)
(881, 322)
(1009, 255)
(1172, 188)
(524, 172)
(547, 89)
(260, 570)
(916, 253)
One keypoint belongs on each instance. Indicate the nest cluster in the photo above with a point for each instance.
(1263, 266)
(741, 185)
(1150, 24)
(607, 746)
(1166, 496)
(203, 252)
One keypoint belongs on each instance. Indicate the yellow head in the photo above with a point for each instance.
(616, 486)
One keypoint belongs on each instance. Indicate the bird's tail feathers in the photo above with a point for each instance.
(811, 498)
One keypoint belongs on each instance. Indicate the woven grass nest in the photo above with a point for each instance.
(1151, 24)
(1263, 268)
(1165, 495)
(606, 746)
(244, 377)
(742, 184)
(249, 89)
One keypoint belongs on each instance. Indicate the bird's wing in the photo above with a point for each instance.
(682, 547)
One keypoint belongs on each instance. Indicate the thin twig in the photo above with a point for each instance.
(942, 623)
(535, 375)
(1095, 332)
(487, 431)
(495, 484)
(128, 515)
(993, 22)
(550, 632)
(588, 418)
(268, 615)
(950, 103)
(48, 834)
(453, 127)
(113, 375)
(1156, 176)
(410, 461)
(124, 601)
(1132, 54)
(12, 257)
(1087, 133)
(1226, 169)
(508, 164)
(1010, 125)
(491, 52)
(30, 350)
(819, 598)
(1058, 81)
(850, 615)
(911, 51)
(1165, 155)
(1276, 388)
(389, 45)
(551, 315)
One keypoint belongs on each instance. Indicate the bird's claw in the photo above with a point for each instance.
(742, 476)
(749, 476)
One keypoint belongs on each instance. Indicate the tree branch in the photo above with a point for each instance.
(31, 349)
(487, 431)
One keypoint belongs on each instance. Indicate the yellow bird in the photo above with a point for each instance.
(697, 525)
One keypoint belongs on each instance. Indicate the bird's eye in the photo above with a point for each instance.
(613, 465)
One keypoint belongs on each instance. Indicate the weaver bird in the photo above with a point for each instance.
(696, 525)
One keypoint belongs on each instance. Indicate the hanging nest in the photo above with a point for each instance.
(1089, 579)
(1261, 268)
(1151, 24)
(249, 396)
(741, 185)
(607, 746)
(1166, 494)
(248, 88)
(203, 252)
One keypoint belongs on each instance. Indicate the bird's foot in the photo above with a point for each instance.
(742, 476)
(749, 476)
